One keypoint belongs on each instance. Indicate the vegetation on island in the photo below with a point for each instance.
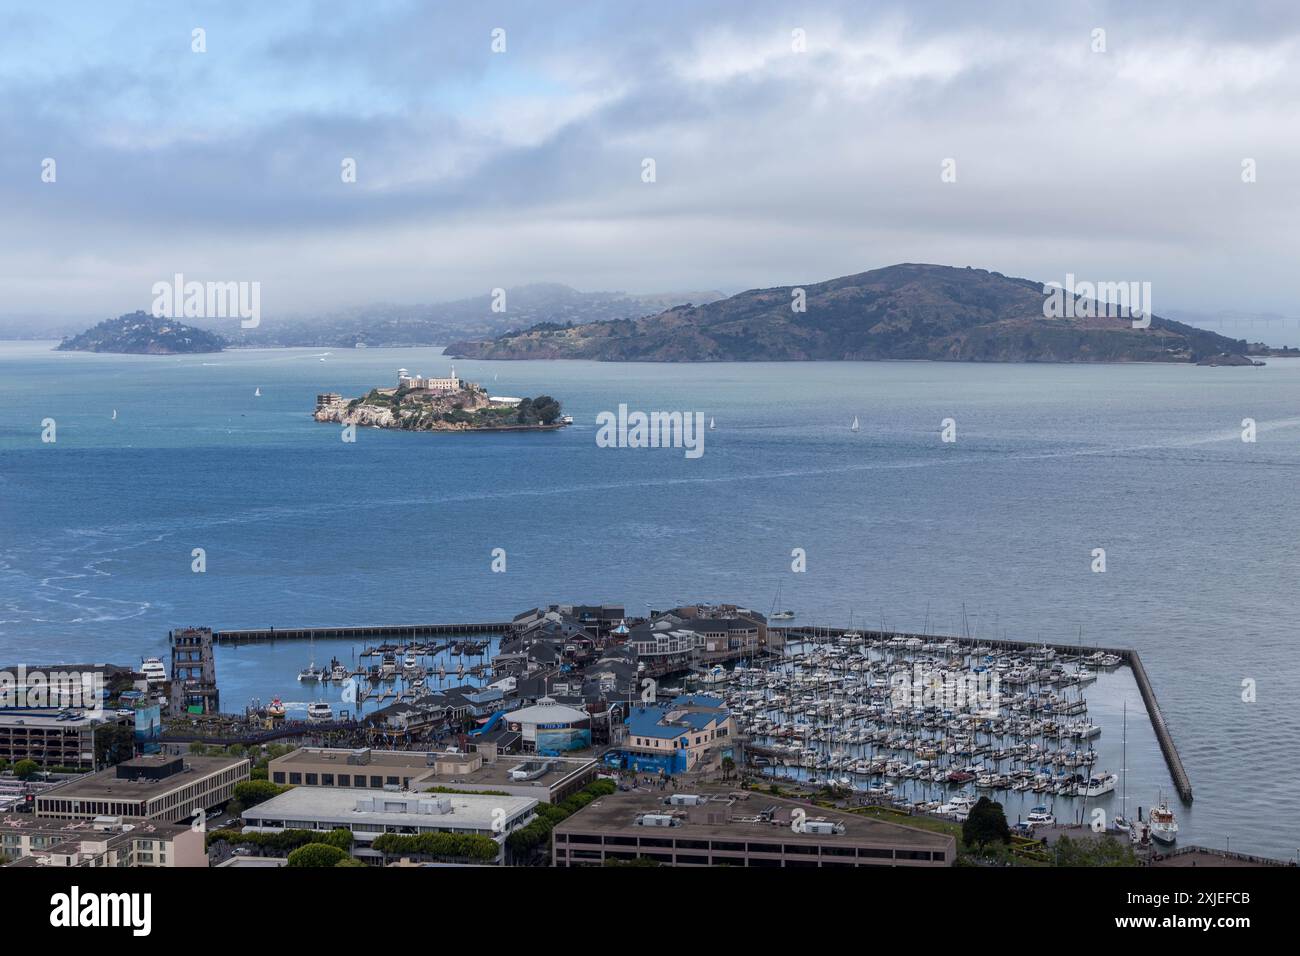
(140, 333)
(907, 311)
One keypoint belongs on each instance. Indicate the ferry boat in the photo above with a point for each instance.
(319, 710)
(1163, 825)
(1100, 783)
(154, 672)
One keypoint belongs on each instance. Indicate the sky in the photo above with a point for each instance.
(777, 160)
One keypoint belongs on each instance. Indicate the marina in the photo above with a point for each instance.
(929, 724)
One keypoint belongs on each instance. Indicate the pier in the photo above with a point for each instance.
(395, 634)
(1175, 763)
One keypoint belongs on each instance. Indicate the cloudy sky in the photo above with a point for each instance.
(478, 169)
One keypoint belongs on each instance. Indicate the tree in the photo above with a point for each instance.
(317, 854)
(728, 767)
(26, 769)
(114, 743)
(985, 824)
(250, 793)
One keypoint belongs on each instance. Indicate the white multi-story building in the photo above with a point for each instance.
(406, 380)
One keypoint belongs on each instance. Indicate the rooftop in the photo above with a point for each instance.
(106, 785)
(464, 811)
(726, 818)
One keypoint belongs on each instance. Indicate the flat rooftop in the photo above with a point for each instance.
(16, 823)
(490, 775)
(106, 785)
(617, 814)
(469, 811)
(10, 717)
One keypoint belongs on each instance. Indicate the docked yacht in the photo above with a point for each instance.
(1164, 827)
(311, 674)
(338, 671)
(1040, 816)
(154, 672)
(1100, 783)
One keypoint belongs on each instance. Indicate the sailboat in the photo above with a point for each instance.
(776, 615)
(711, 424)
(312, 674)
(854, 426)
(115, 414)
(257, 392)
(1121, 823)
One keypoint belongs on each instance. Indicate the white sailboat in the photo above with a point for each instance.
(854, 426)
(115, 414)
(711, 424)
(257, 392)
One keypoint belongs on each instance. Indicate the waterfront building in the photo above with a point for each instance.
(700, 634)
(194, 672)
(370, 815)
(675, 737)
(160, 787)
(738, 829)
(549, 727)
(545, 779)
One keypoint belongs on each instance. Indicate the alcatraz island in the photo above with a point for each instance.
(440, 404)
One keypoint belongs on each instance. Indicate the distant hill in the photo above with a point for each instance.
(439, 324)
(908, 311)
(140, 333)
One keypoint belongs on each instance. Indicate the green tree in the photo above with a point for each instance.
(26, 769)
(317, 854)
(986, 824)
(250, 793)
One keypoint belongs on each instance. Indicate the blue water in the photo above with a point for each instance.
(299, 527)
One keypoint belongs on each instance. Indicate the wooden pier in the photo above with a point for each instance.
(1129, 656)
(385, 633)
